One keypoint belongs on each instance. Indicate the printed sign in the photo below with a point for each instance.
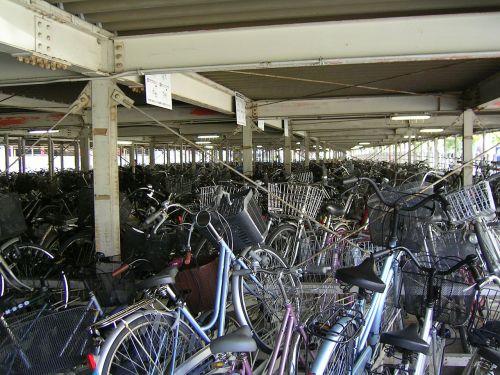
(159, 90)
(241, 112)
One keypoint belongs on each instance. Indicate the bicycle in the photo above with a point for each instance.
(176, 325)
(364, 327)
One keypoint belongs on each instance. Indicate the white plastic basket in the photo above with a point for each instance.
(471, 202)
(301, 200)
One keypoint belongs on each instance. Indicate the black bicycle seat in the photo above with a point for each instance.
(406, 339)
(363, 276)
(165, 277)
(490, 354)
(239, 341)
(335, 210)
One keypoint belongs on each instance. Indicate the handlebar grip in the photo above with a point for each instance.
(153, 217)
(350, 180)
(120, 270)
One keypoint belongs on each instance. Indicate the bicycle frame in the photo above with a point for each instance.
(181, 312)
(370, 330)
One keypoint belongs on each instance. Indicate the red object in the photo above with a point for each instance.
(179, 219)
(188, 257)
(120, 270)
(91, 362)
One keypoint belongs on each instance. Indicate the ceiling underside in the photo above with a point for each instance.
(436, 78)
(132, 17)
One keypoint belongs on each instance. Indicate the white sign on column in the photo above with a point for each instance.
(159, 90)
(285, 127)
(241, 111)
(260, 124)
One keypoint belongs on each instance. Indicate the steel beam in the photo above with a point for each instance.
(305, 108)
(76, 147)
(106, 193)
(450, 36)
(197, 90)
(36, 28)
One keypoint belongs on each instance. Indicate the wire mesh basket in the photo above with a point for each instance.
(471, 202)
(302, 177)
(410, 231)
(46, 343)
(454, 294)
(208, 194)
(295, 201)
(484, 326)
(179, 186)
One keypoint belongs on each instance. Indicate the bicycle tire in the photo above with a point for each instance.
(282, 240)
(35, 266)
(78, 250)
(339, 350)
(137, 333)
(260, 310)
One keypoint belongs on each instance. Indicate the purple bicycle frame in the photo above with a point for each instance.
(288, 323)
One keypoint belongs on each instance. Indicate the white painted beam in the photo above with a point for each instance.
(457, 36)
(36, 28)
(305, 108)
(195, 89)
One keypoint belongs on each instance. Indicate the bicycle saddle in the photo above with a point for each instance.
(362, 276)
(239, 341)
(167, 276)
(407, 339)
(335, 210)
(490, 354)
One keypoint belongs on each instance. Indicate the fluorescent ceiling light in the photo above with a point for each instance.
(298, 143)
(208, 136)
(364, 143)
(259, 146)
(432, 130)
(422, 116)
(124, 142)
(408, 136)
(43, 131)
(203, 142)
(356, 147)
(209, 147)
(297, 149)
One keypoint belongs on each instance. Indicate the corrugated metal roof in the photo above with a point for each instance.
(341, 80)
(148, 16)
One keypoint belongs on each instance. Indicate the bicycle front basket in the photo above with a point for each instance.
(46, 344)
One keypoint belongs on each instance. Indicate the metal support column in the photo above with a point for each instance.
(152, 158)
(436, 153)
(85, 151)
(317, 151)
(76, 147)
(307, 148)
(132, 157)
(61, 152)
(106, 192)
(50, 150)
(287, 150)
(182, 154)
(467, 145)
(395, 153)
(22, 150)
(6, 150)
(247, 149)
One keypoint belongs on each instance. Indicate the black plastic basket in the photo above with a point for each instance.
(47, 343)
(244, 216)
(410, 231)
(12, 221)
(454, 292)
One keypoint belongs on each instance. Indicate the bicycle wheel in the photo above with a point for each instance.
(145, 345)
(336, 354)
(282, 240)
(79, 250)
(259, 303)
(35, 267)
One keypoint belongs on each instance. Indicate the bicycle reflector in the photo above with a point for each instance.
(91, 361)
